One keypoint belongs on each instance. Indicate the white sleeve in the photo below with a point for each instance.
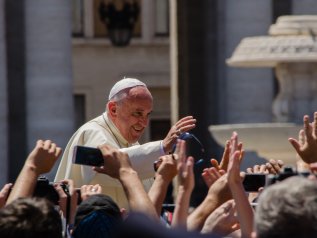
(143, 156)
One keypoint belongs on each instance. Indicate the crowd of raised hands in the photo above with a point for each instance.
(225, 211)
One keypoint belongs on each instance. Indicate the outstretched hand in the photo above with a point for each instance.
(183, 125)
(224, 160)
(306, 145)
(232, 145)
(186, 183)
(244, 210)
(210, 175)
(185, 167)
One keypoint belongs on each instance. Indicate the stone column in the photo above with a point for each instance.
(48, 71)
(3, 101)
(304, 7)
(240, 85)
(174, 61)
(88, 18)
(147, 16)
(298, 91)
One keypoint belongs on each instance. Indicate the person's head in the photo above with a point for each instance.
(287, 209)
(129, 107)
(97, 216)
(30, 218)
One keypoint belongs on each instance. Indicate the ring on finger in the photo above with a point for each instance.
(178, 132)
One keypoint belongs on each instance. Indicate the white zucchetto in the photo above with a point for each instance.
(124, 84)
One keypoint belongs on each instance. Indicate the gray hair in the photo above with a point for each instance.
(288, 209)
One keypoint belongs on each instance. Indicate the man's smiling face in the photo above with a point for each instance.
(131, 115)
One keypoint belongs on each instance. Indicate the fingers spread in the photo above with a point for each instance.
(185, 124)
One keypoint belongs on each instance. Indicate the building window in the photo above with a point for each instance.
(161, 17)
(80, 109)
(77, 17)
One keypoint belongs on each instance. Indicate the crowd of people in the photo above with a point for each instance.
(121, 198)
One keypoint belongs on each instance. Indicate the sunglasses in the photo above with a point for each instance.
(188, 137)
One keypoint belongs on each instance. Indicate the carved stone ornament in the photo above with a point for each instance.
(292, 39)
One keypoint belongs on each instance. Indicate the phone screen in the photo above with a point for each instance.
(252, 182)
(87, 156)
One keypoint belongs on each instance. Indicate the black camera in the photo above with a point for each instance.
(252, 182)
(45, 189)
(286, 172)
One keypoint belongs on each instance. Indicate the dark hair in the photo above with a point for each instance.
(98, 216)
(30, 218)
(94, 203)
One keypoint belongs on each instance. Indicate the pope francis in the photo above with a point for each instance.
(121, 125)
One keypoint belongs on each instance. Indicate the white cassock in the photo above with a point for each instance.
(100, 131)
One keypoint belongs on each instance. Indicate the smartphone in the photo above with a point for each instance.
(252, 182)
(87, 156)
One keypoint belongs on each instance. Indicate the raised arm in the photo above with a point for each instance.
(68, 198)
(164, 175)
(218, 193)
(229, 147)
(40, 161)
(244, 210)
(186, 185)
(223, 221)
(117, 165)
(306, 146)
